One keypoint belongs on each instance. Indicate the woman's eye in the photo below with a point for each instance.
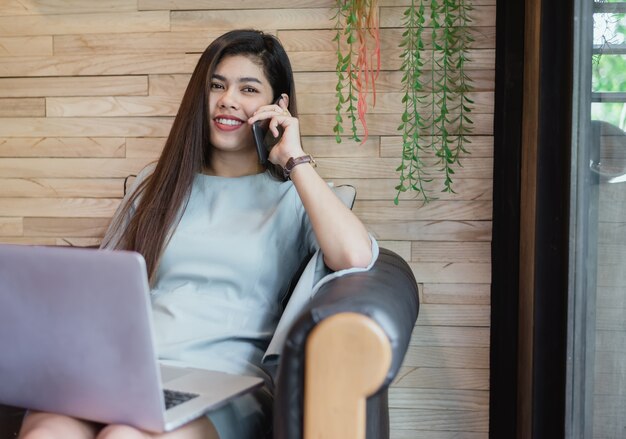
(249, 89)
(216, 85)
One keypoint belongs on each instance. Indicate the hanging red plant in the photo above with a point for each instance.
(357, 70)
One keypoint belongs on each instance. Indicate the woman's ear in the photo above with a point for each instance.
(285, 100)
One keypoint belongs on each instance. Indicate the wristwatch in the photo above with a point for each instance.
(295, 161)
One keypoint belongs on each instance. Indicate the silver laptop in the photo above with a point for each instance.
(76, 338)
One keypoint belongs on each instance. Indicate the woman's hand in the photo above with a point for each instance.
(278, 115)
(343, 239)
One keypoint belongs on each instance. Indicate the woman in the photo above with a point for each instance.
(221, 235)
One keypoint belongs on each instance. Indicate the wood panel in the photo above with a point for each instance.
(74, 86)
(438, 399)
(88, 92)
(58, 207)
(438, 420)
(227, 4)
(402, 248)
(73, 168)
(425, 335)
(11, 226)
(146, 147)
(322, 40)
(49, 7)
(85, 127)
(136, 43)
(76, 227)
(62, 147)
(112, 106)
(452, 314)
(413, 434)
(461, 293)
(451, 252)
(442, 378)
(22, 107)
(61, 187)
(413, 211)
(92, 65)
(307, 18)
(25, 46)
(466, 189)
(88, 23)
(432, 230)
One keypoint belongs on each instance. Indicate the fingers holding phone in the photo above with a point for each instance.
(276, 132)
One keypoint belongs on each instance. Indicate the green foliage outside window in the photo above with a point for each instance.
(609, 66)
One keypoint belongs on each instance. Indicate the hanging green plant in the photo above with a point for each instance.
(432, 143)
(358, 65)
(413, 174)
(447, 123)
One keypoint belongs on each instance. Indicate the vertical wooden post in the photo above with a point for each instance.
(347, 358)
(528, 202)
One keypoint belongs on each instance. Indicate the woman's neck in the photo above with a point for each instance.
(234, 165)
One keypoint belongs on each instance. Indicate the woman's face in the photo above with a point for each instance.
(237, 89)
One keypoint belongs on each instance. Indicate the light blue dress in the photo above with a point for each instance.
(218, 289)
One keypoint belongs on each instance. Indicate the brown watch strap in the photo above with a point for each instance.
(295, 161)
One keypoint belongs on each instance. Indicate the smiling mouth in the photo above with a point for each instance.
(229, 122)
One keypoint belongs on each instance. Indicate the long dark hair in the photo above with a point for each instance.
(164, 194)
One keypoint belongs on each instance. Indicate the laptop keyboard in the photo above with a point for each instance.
(174, 397)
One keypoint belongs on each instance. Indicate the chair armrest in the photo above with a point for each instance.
(387, 294)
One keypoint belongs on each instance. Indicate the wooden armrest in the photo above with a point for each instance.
(348, 357)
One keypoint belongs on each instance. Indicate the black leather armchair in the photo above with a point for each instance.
(386, 297)
(379, 305)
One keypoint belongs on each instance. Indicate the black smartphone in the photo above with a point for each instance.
(264, 139)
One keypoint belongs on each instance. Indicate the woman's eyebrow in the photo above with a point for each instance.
(242, 79)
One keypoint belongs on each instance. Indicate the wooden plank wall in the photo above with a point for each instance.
(88, 90)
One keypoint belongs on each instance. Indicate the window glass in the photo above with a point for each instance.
(597, 349)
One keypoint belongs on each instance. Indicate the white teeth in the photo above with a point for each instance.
(228, 122)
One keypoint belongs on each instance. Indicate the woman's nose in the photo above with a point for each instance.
(227, 100)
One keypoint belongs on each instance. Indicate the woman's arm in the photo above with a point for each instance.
(340, 234)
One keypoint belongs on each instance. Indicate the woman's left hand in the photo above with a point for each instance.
(278, 115)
